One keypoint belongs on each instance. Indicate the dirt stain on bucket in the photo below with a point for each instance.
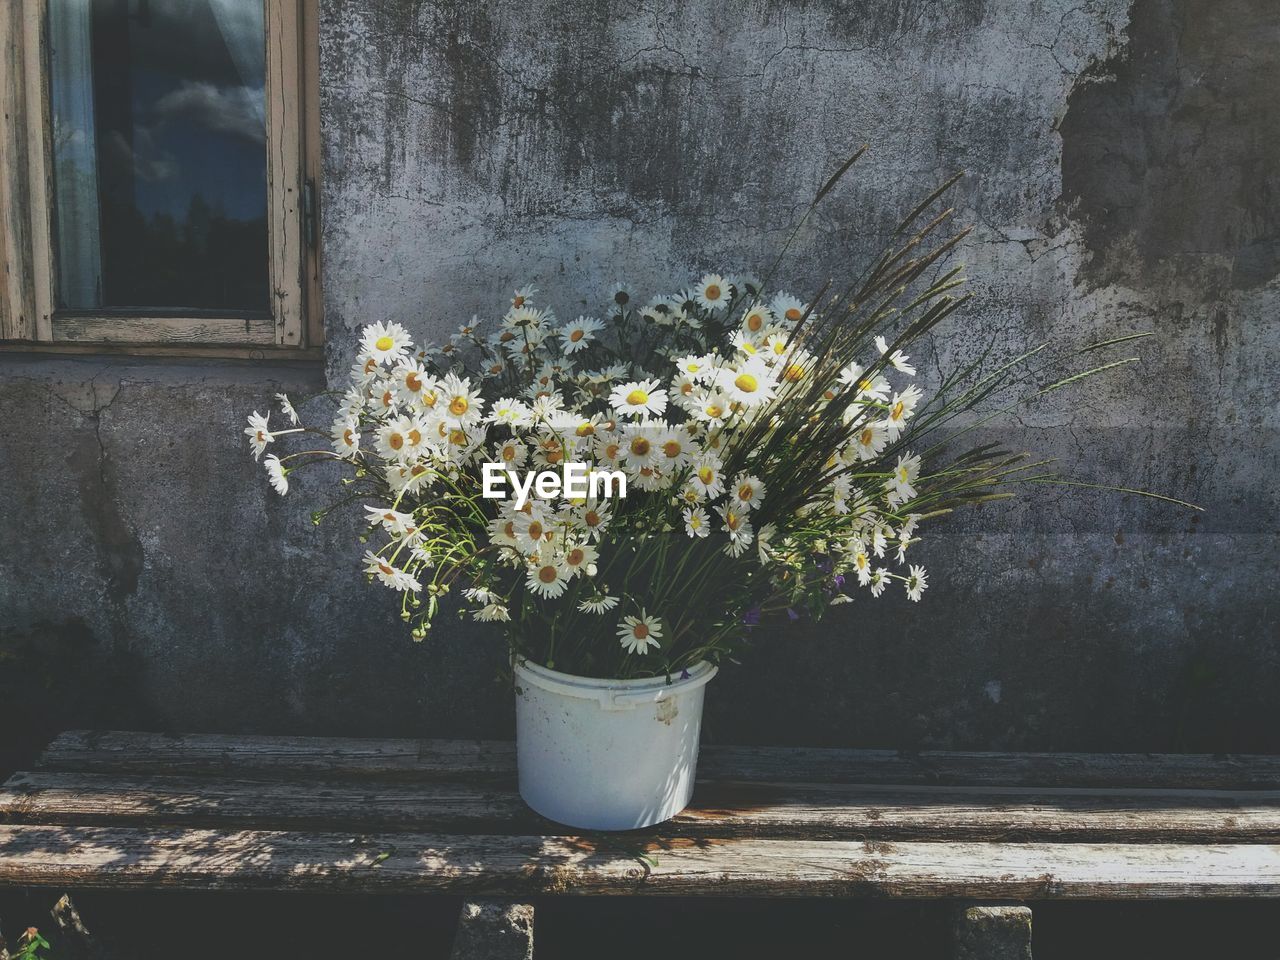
(667, 710)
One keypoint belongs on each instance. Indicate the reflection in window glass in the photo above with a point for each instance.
(159, 142)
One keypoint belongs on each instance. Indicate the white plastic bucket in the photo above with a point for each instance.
(607, 754)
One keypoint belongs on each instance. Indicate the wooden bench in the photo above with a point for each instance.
(989, 831)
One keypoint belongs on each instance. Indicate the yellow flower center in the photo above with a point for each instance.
(754, 322)
(413, 382)
(517, 301)
(896, 412)
(746, 383)
(384, 343)
(395, 441)
(388, 570)
(387, 399)
(749, 347)
(731, 521)
(686, 388)
(861, 560)
(415, 438)
(370, 365)
(458, 406)
(903, 474)
(547, 574)
(576, 336)
(348, 437)
(592, 519)
(508, 453)
(585, 429)
(417, 470)
(715, 410)
(692, 367)
(430, 398)
(640, 631)
(458, 438)
(695, 523)
(506, 336)
(611, 451)
(637, 398)
(794, 373)
(793, 314)
(672, 448)
(575, 556)
(746, 492)
(510, 529)
(640, 446)
(535, 530)
(706, 475)
(866, 436)
(712, 292)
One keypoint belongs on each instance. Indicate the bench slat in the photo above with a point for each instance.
(132, 752)
(812, 811)
(98, 857)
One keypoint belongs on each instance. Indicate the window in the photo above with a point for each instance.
(158, 183)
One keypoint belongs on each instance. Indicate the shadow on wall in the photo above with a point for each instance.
(57, 676)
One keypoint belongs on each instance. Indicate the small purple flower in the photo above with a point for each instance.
(752, 617)
(684, 674)
(838, 580)
(792, 615)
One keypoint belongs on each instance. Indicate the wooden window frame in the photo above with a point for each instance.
(28, 318)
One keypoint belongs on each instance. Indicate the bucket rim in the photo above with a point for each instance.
(590, 688)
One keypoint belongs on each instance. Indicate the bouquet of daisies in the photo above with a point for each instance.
(776, 454)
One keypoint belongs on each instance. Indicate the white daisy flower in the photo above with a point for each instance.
(787, 307)
(750, 384)
(392, 576)
(600, 603)
(640, 446)
(259, 433)
(639, 398)
(638, 634)
(364, 369)
(531, 529)
(696, 522)
(492, 613)
(509, 411)
(700, 368)
(512, 454)
(870, 441)
(287, 407)
(523, 296)
(916, 583)
(736, 525)
(594, 518)
(707, 477)
(412, 381)
(897, 359)
(712, 292)
(757, 320)
(902, 483)
(714, 408)
(579, 558)
(385, 342)
(901, 408)
(393, 521)
(547, 578)
(463, 406)
(578, 335)
(748, 491)
(878, 581)
(277, 473)
(675, 448)
(345, 434)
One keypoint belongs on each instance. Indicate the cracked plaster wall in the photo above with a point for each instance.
(1122, 178)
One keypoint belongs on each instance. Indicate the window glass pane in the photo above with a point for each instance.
(160, 164)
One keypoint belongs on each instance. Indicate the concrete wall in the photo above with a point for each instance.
(1122, 178)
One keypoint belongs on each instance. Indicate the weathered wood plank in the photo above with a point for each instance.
(339, 757)
(811, 811)
(96, 857)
